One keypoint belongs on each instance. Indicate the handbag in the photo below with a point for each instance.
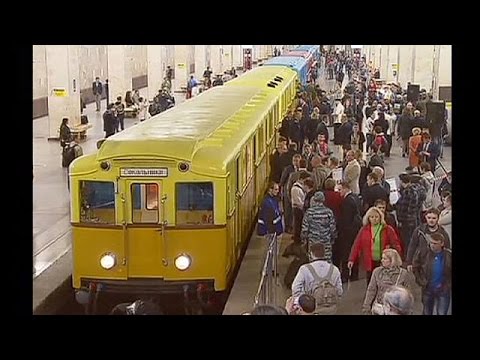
(377, 307)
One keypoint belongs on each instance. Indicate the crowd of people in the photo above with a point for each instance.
(338, 210)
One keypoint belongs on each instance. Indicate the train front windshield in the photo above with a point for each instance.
(194, 203)
(97, 202)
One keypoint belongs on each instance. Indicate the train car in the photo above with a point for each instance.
(167, 205)
(305, 54)
(298, 64)
(312, 49)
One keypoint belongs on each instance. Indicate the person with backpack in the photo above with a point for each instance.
(320, 279)
(389, 273)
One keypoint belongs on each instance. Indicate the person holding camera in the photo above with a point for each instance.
(302, 305)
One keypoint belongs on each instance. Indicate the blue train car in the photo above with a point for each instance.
(298, 64)
(313, 49)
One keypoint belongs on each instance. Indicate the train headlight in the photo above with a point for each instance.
(108, 261)
(182, 262)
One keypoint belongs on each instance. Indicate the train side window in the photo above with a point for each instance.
(194, 202)
(255, 148)
(144, 203)
(277, 111)
(272, 125)
(97, 202)
(261, 139)
(249, 158)
(237, 175)
(244, 167)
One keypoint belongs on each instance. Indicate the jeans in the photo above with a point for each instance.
(406, 232)
(120, 121)
(98, 99)
(439, 299)
(297, 224)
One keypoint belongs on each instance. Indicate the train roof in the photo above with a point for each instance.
(295, 63)
(206, 130)
(307, 48)
(300, 53)
(261, 76)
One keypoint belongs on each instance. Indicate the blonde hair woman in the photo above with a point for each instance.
(413, 141)
(374, 237)
(388, 274)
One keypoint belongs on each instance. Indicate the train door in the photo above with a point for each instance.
(238, 208)
(145, 233)
(230, 196)
(98, 243)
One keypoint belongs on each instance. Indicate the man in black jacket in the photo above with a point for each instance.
(109, 121)
(433, 272)
(97, 89)
(349, 223)
(373, 191)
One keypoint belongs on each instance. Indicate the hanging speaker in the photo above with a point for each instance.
(413, 92)
(435, 112)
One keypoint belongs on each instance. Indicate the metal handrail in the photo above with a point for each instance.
(267, 292)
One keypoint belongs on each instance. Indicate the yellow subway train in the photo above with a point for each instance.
(167, 205)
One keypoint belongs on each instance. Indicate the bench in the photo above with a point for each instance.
(79, 132)
(131, 112)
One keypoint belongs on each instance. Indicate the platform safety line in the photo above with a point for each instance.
(50, 243)
(37, 273)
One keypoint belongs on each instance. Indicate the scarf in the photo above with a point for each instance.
(377, 243)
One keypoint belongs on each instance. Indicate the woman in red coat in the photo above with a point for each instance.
(372, 239)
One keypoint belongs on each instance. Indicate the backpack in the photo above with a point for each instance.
(324, 292)
(381, 142)
(70, 152)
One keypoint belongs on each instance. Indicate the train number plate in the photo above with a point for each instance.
(144, 172)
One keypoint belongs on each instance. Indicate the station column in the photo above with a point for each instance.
(237, 55)
(216, 59)
(255, 53)
(63, 86)
(200, 60)
(119, 71)
(268, 51)
(182, 67)
(227, 57)
(154, 68)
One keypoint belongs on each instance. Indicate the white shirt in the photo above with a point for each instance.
(298, 195)
(338, 112)
(391, 122)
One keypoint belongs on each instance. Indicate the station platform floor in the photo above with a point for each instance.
(52, 232)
